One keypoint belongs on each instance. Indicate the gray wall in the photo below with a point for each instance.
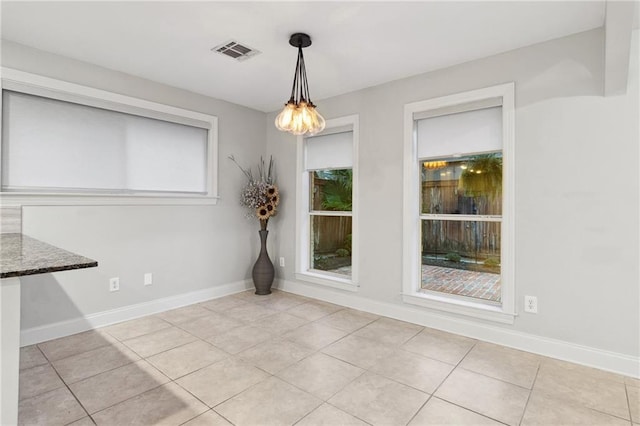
(187, 248)
(576, 187)
(576, 197)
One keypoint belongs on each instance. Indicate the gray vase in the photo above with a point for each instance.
(263, 271)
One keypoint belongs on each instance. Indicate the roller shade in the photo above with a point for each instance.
(329, 151)
(464, 132)
(53, 144)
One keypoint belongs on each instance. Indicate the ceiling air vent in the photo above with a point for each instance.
(235, 50)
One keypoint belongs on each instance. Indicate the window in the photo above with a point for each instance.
(458, 204)
(327, 187)
(61, 139)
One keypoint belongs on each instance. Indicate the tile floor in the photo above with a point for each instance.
(284, 359)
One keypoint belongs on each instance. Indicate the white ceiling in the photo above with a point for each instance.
(355, 44)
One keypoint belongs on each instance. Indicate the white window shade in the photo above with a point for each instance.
(332, 151)
(52, 145)
(465, 132)
(164, 156)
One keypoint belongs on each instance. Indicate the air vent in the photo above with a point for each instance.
(235, 50)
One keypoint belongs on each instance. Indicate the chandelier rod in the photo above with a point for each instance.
(294, 87)
(305, 86)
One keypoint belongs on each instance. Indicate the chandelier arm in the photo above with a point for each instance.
(294, 87)
(301, 75)
(305, 84)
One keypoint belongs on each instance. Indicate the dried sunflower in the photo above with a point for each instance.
(272, 191)
(270, 208)
(263, 213)
(260, 195)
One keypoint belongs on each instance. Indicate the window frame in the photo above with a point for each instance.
(303, 272)
(412, 216)
(23, 82)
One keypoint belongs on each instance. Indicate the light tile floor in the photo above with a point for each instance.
(283, 359)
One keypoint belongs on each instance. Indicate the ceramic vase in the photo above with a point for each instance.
(263, 271)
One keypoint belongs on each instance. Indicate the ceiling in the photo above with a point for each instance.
(355, 44)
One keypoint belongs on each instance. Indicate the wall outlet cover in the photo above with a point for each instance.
(531, 304)
(114, 284)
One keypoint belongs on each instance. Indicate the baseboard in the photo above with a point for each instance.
(34, 335)
(592, 357)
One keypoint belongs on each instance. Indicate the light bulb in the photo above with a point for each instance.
(318, 122)
(297, 125)
(303, 111)
(284, 119)
(300, 119)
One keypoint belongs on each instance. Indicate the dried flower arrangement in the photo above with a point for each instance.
(260, 195)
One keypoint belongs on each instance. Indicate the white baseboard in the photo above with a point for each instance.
(43, 333)
(615, 362)
(592, 357)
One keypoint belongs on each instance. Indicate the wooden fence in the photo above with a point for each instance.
(472, 239)
(330, 233)
(475, 240)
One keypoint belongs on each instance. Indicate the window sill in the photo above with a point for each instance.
(67, 199)
(460, 307)
(326, 280)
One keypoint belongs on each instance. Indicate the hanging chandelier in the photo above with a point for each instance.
(299, 115)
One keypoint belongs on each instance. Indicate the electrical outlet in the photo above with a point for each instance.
(148, 278)
(531, 304)
(282, 262)
(114, 284)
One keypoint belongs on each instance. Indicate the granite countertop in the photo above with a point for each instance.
(22, 255)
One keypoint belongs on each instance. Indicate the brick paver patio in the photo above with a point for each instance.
(480, 285)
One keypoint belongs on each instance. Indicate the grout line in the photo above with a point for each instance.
(473, 411)
(131, 397)
(192, 394)
(71, 392)
(432, 395)
(328, 403)
(201, 414)
(453, 403)
(454, 369)
(242, 391)
(161, 352)
(526, 405)
(146, 333)
(97, 374)
(499, 380)
(583, 405)
(602, 412)
(158, 385)
(229, 420)
(626, 392)
(197, 369)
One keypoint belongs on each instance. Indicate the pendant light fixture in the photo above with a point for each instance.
(299, 115)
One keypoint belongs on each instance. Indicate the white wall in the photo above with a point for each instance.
(576, 193)
(187, 248)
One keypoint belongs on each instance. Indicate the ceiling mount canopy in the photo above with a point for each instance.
(300, 40)
(299, 115)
